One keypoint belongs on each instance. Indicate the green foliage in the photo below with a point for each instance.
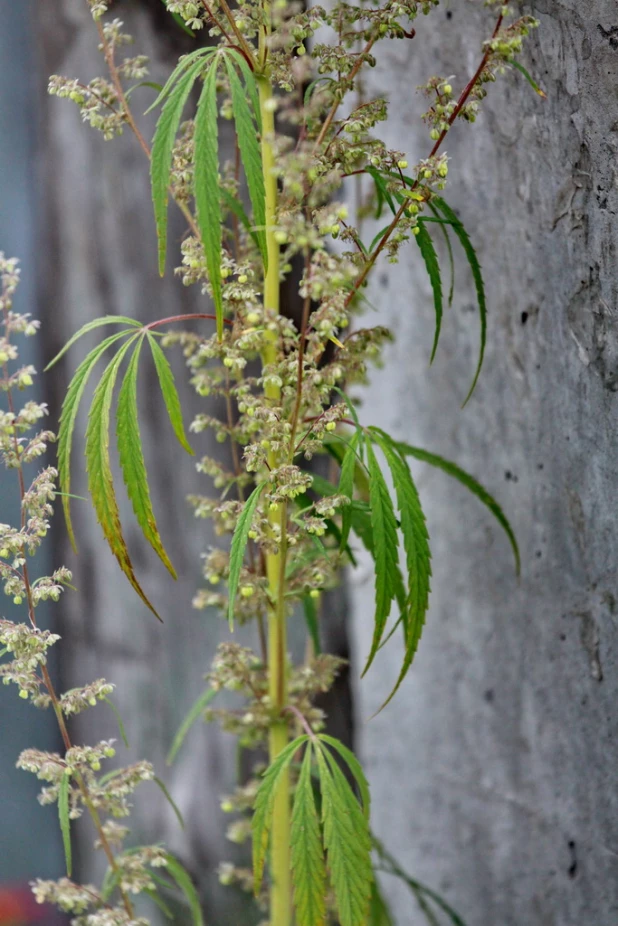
(477, 276)
(132, 458)
(65, 822)
(100, 479)
(194, 714)
(416, 545)
(186, 886)
(261, 822)
(163, 143)
(471, 484)
(308, 864)
(311, 621)
(385, 549)
(206, 182)
(338, 840)
(239, 545)
(423, 239)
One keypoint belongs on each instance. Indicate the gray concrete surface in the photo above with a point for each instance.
(494, 772)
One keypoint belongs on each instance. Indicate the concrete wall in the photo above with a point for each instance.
(494, 771)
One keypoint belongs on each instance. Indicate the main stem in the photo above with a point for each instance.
(281, 893)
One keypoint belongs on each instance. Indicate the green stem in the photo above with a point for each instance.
(281, 893)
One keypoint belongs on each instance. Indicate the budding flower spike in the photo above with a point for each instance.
(266, 229)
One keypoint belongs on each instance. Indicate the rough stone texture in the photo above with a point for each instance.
(493, 773)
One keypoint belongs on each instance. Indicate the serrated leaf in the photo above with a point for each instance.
(346, 487)
(132, 458)
(311, 620)
(236, 207)
(184, 882)
(100, 480)
(264, 804)
(308, 866)
(65, 822)
(91, 326)
(68, 417)
(169, 393)
(347, 842)
(384, 194)
(250, 84)
(416, 545)
(196, 711)
(180, 69)
(239, 545)
(449, 249)
(355, 767)
(385, 551)
(428, 252)
(168, 797)
(206, 187)
(471, 484)
(477, 275)
(162, 147)
(250, 154)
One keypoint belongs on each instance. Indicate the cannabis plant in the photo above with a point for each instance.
(287, 77)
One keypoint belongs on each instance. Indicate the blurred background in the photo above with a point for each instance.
(493, 773)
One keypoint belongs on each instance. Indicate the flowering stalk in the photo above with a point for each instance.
(291, 531)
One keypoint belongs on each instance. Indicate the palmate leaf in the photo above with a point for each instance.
(206, 187)
(162, 147)
(100, 480)
(68, 417)
(346, 487)
(92, 326)
(169, 393)
(416, 545)
(471, 484)
(477, 275)
(65, 821)
(347, 843)
(239, 545)
(264, 804)
(132, 458)
(249, 147)
(179, 70)
(355, 768)
(385, 551)
(308, 865)
(428, 252)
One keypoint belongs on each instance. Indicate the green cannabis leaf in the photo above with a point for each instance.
(308, 865)
(65, 821)
(132, 458)
(477, 276)
(385, 550)
(239, 545)
(428, 251)
(264, 804)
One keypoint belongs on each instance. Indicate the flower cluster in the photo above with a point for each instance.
(24, 662)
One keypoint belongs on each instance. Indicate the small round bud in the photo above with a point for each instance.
(301, 50)
(402, 165)
(247, 591)
(228, 362)
(314, 593)
(252, 535)
(225, 272)
(227, 806)
(23, 693)
(434, 134)
(416, 230)
(447, 89)
(280, 237)
(110, 752)
(95, 766)
(253, 318)
(92, 701)
(17, 599)
(243, 278)
(331, 425)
